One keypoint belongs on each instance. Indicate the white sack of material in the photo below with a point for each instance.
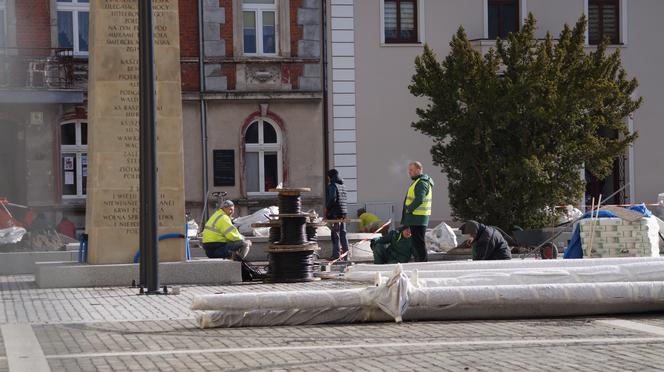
(244, 223)
(441, 238)
(11, 235)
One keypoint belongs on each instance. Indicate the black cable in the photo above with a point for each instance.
(292, 266)
(312, 235)
(290, 204)
(275, 234)
(293, 230)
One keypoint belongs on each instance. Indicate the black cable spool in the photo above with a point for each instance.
(312, 235)
(290, 204)
(275, 234)
(293, 230)
(292, 266)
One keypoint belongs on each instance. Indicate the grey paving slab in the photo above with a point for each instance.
(25, 303)
(587, 358)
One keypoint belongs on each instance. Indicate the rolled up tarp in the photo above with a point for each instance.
(516, 263)
(639, 271)
(474, 302)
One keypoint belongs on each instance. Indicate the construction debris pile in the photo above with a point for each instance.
(468, 290)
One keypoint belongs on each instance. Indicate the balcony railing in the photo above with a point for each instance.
(41, 68)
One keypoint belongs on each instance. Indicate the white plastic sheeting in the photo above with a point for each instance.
(397, 299)
(480, 265)
(11, 235)
(635, 272)
(441, 238)
(244, 223)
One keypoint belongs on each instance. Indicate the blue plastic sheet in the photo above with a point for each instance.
(574, 249)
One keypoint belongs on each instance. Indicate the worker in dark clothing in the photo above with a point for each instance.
(335, 209)
(417, 208)
(394, 247)
(488, 243)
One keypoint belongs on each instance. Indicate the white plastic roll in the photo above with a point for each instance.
(515, 263)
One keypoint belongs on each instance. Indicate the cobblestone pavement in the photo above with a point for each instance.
(104, 329)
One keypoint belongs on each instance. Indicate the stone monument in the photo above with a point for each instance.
(112, 209)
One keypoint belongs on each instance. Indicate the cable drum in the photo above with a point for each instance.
(293, 230)
(312, 235)
(290, 204)
(275, 234)
(292, 266)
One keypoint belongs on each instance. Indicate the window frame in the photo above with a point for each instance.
(619, 22)
(5, 28)
(261, 148)
(74, 7)
(517, 9)
(79, 149)
(258, 10)
(417, 40)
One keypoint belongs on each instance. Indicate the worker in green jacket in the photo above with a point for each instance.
(394, 247)
(223, 240)
(417, 208)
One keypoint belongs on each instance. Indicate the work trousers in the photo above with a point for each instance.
(419, 246)
(338, 235)
(236, 250)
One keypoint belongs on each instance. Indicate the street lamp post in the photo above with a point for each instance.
(149, 262)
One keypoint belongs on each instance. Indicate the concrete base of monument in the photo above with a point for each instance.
(75, 275)
(23, 263)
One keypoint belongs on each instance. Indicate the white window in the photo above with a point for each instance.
(74, 159)
(259, 27)
(73, 25)
(263, 157)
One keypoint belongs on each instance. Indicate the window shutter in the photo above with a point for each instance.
(390, 19)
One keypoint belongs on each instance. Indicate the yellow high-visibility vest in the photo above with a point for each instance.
(219, 228)
(425, 208)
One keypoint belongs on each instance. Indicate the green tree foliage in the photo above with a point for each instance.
(513, 128)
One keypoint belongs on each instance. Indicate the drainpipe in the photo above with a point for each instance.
(326, 124)
(203, 108)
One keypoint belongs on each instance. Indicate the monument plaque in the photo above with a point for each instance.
(113, 136)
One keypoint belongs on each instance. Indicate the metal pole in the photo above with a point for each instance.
(148, 150)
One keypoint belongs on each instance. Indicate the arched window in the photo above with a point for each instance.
(263, 168)
(74, 158)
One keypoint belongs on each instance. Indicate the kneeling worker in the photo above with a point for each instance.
(394, 247)
(223, 240)
(488, 243)
(369, 222)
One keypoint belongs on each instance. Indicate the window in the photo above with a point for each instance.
(400, 21)
(73, 25)
(2, 26)
(503, 18)
(74, 159)
(603, 21)
(259, 27)
(263, 158)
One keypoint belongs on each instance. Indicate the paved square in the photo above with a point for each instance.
(114, 329)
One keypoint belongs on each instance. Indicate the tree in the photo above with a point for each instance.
(513, 128)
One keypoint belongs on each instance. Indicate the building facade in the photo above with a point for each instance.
(372, 47)
(252, 102)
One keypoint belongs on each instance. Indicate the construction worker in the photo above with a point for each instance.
(223, 240)
(369, 222)
(487, 242)
(394, 247)
(336, 209)
(417, 208)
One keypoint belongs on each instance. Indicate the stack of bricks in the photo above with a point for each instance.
(614, 237)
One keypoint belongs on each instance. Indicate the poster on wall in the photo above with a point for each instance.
(69, 178)
(69, 163)
(84, 165)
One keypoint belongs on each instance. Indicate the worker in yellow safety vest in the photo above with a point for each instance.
(369, 222)
(417, 208)
(223, 240)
